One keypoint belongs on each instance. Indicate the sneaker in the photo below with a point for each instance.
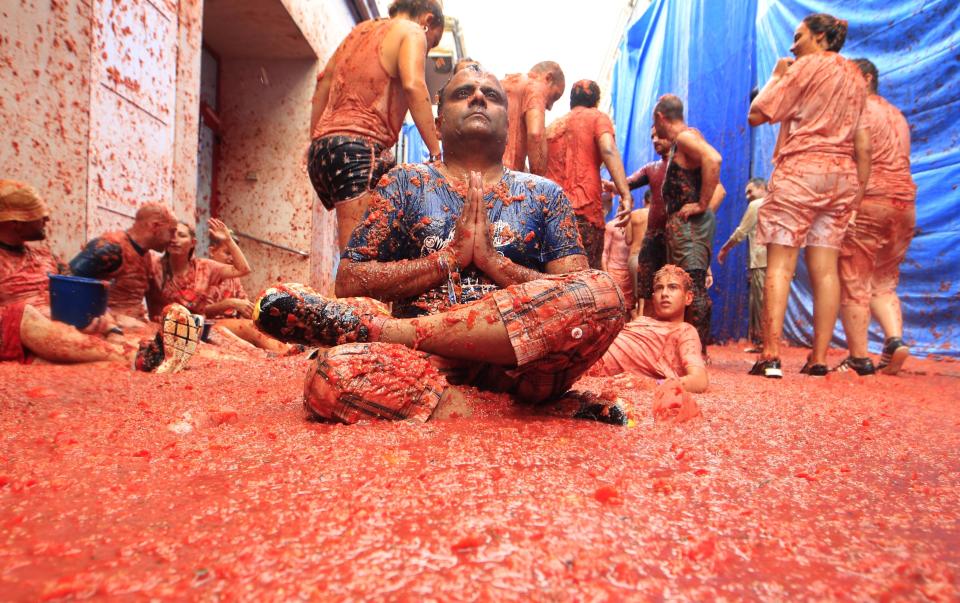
(862, 366)
(770, 369)
(588, 406)
(295, 313)
(814, 370)
(171, 349)
(895, 353)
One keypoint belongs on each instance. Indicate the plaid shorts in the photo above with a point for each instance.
(344, 167)
(11, 347)
(558, 326)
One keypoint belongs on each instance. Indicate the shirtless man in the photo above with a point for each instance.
(486, 274)
(877, 239)
(620, 257)
(662, 347)
(124, 258)
(690, 188)
(577, 144)
(362, 96)
(530, 96)
(26, 330)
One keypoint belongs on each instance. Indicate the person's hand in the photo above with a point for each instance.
(623, 214)
(690, 209)
(218, 229)
(101, 325)
(608, 186)
(709, 280)
(465, 231)
(636, 313)
(243, 307)
(484, 253)
(781, 67)
(722, 255)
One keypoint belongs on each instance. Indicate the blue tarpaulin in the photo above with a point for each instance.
(712, 54)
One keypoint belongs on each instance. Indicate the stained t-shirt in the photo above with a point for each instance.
(192, 288)
(652, 174)
(654, 348)
(890, 156)
(115, 257)
(524, 93)
(23, 274)
(818, 102)
(573, 159)
(414, 213)
(615, 249)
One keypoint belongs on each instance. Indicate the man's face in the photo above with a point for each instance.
(164, 229)
(669, 298)
(34, 230)
(660, 126)
(753, 192)
(660, 145)
(804, 41)
(556, 91)
(474, 103)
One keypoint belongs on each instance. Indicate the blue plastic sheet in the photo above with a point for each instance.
(712, 53)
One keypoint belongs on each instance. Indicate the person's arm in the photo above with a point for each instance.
(240, 265)
(696, 380)
(747, 221)
(763, 109)
(611, 158)
(719, 194)
(98, 259)
(607, 246)
(862, 151)
(536, 140)
(321, 93)
(695, 146)
(411, 66)
(244, 307)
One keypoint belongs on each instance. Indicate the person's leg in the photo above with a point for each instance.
(757, 280)
(592, 238)
(349, 213)
(698, 312)
(825, 281)
(781, 264)
(886, 309)
(857, 264)
(62, 343)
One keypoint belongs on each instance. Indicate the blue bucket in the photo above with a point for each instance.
(76, 300)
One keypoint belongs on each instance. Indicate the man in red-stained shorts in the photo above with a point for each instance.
(486, 274)
(662, 347)
(877, 239)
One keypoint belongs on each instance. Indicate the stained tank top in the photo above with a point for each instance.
(680, 185)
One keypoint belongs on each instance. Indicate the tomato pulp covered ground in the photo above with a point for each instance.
(210, 484)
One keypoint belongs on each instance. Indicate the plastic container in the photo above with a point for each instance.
(76, 300)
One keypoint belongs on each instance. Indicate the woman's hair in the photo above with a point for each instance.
(415, 8)
(165, 260)
(585, 93)
(868, 68)
(835, 30)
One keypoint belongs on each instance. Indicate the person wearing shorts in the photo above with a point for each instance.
(489, 284)
(361, 98)
(877, 240)
(822, 163)
(577, 144)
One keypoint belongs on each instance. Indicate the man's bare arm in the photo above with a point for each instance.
(389, 280)
(410, 63)
(696, 380)
(700, 151)
(719, 194)
(536, 140)
(611, 158)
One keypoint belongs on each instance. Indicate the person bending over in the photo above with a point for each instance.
(362, 95)
(486, 274)
(530, 96)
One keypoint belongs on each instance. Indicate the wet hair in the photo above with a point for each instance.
(670, 106)
(758, 182)
(585, 93)
(868, 68)
(675, 271)
(443, 89)
(415, 8)
(835, 29)
(549, 68)
(465, 62)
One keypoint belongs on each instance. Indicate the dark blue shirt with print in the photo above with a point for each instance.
(414, 213)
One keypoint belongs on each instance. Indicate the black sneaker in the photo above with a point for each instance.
(296, 314)
(770, 369)
(814, 370)
(862, 366)
(895, 353)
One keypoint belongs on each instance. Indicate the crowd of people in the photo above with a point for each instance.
(491, 265)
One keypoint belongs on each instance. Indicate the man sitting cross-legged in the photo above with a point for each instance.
(486, 273)
(664, 347)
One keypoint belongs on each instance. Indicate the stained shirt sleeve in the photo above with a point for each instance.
(779, 101)
(97, 260)
(603, 125)
(747, 222)
(690, 348)
(561, 235)
(380, 235)
(639, 178)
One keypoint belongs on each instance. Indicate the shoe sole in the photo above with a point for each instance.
(773, 373)
(181, 336)
(897, 359)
